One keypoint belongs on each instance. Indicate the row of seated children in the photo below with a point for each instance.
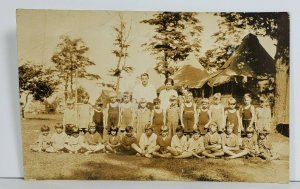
(210, 145)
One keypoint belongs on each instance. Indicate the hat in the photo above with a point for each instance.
(264, 132)
(250, 130)
(164, 129)
(75, 130)
(92, 124)
(58, 125)
(148, 126)
(213, 124)
(126, 94)
(231, 100)
(217, 95)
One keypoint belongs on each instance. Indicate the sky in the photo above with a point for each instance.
(38, 33)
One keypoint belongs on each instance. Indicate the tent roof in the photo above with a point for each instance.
(250, 59)
(191, 76)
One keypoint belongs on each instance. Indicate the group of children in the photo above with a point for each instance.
(182, 130)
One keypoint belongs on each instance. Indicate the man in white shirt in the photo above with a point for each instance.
(144, 90)
(148, 141)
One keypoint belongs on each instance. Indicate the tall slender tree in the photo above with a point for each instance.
(177, 34)
(71, 61)
(122, 44)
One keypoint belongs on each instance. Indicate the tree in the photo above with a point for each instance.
(37, 81)
(276, 26)
(227, 39)
(122, 44)
(71, 62)
(177, 35)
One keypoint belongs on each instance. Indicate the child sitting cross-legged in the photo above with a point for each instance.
(58, 139)
(113, 142)
(147, 142)
(230, 143)
(163, 143)
(195, 146)
(178, 142)
(249, 143)
(129, 142)
(75, 142)
(44, 140)
(92, 140)
(212, 142)
(265, 150)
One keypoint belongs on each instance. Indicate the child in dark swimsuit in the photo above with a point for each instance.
(157, 116)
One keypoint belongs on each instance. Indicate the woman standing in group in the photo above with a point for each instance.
(165, 94)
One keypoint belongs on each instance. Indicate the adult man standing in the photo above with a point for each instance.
(144, 90)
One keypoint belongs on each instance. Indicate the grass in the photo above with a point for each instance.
(122, 167)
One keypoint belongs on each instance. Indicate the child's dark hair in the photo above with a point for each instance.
(169, 80)
(145, 74)
(156, 101)
(129, 129)
(111, 129)
(45, 128)
(179, 129)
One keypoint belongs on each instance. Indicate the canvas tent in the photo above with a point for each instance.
(249, 63)
(192, 76)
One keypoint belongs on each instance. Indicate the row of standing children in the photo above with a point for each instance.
(186, 114)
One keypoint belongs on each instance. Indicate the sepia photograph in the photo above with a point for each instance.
(172, 96)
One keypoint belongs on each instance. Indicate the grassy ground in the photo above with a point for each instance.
(121, 167)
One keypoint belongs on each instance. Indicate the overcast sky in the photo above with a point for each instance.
(39, 32)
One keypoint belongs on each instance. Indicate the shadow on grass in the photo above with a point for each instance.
(283, 129)
(133, 168)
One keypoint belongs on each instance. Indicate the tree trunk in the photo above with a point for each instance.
(281, 114)
(71, 83)
(23, 107)
(66, 88)
(280, 111)
(119, 74)
(166, 66)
